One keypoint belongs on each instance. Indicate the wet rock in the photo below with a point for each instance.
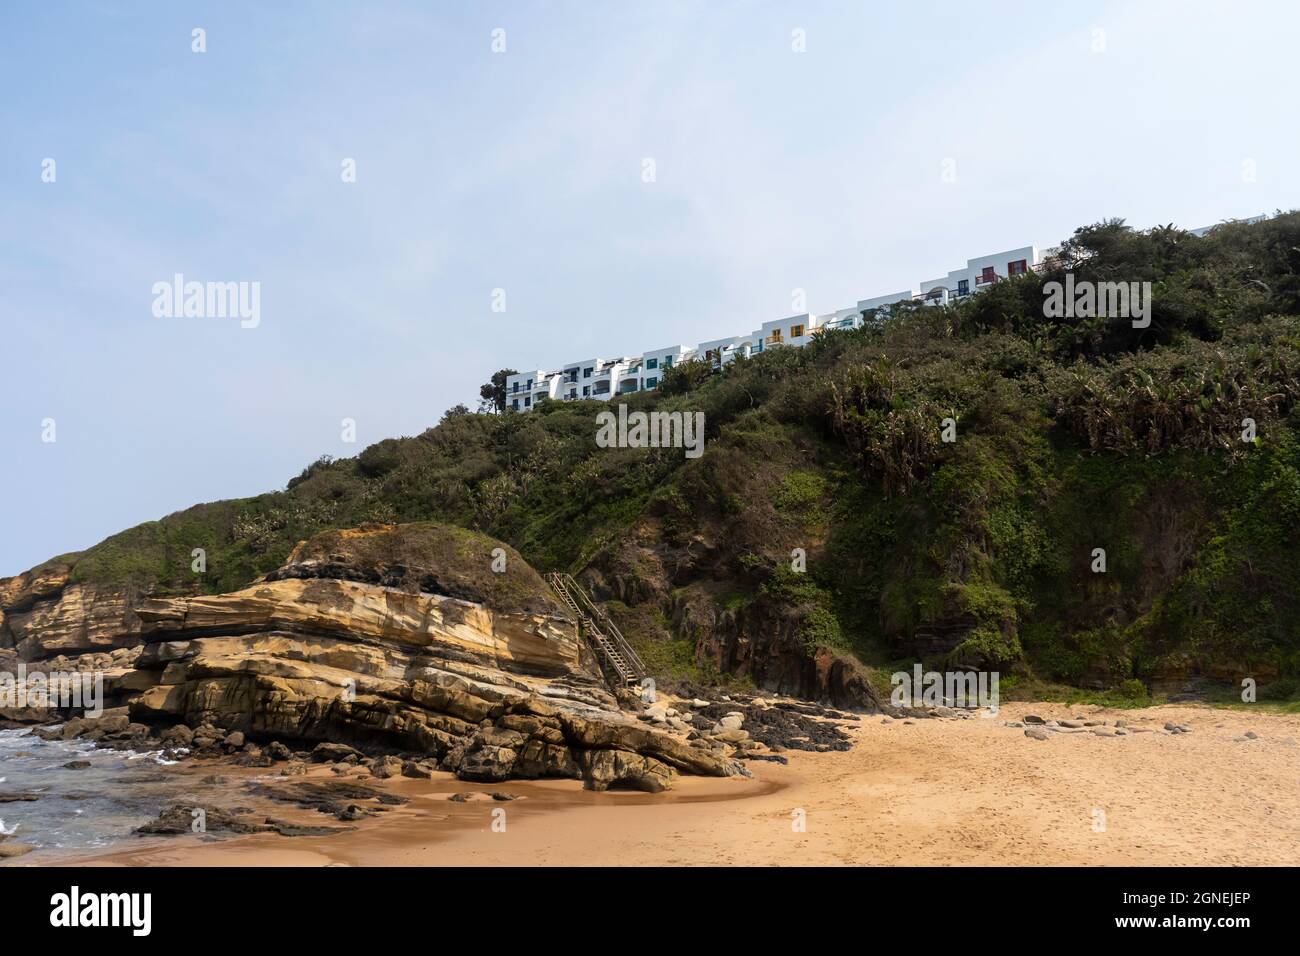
(197, 818)
(178, 736)
(289, 829)
(77, 764)
(326, 796)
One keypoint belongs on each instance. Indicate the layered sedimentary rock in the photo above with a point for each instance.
(344, 644)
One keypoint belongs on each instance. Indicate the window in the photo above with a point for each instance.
(1019, 267)
(963, 286)
(573, 393)
(651, 382)
(528, 401)
(986, 275)
(515, 404)
(530, 384)
(651, 363)
(602, 388)
(586, 391)
(571, 375)
(668, 361)
(586, 372)
(796, 331)
(514, 388)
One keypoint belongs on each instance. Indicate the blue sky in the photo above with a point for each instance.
(522, 170)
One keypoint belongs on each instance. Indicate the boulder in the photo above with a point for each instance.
(604, 769)
(333, 753)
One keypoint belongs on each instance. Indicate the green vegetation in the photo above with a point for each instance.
(1072, 434)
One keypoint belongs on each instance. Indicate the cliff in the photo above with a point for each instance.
(830, 527)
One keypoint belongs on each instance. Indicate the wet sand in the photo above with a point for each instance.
(964, 792)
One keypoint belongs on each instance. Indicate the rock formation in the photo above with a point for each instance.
(396, 637)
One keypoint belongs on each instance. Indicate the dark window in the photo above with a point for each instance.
(602, 388)
(530, 384)
(651, 363)
(668, 361)
(515, 404)
(963, 286)
(651, 382)
(586, 373)
(1019, 267)
(586, 390)
(573, 393)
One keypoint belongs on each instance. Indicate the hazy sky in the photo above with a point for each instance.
(523, 171)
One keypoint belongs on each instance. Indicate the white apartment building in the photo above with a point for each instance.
(605, 378)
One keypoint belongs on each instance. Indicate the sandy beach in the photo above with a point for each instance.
(946, 792)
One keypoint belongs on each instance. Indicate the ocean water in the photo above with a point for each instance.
(86, 809)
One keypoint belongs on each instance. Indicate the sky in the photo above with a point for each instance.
(509, 146)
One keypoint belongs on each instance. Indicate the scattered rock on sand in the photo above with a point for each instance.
(385, 767)
(1037, 733)
(327, 752)
(1034, 719)
(278, 751)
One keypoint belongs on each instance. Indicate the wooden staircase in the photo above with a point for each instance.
(620, 662)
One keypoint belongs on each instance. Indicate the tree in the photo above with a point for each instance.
(492, 395)
(455, 411)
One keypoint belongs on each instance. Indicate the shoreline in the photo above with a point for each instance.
(946, 792)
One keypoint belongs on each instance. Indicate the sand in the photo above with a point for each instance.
(935, 792)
